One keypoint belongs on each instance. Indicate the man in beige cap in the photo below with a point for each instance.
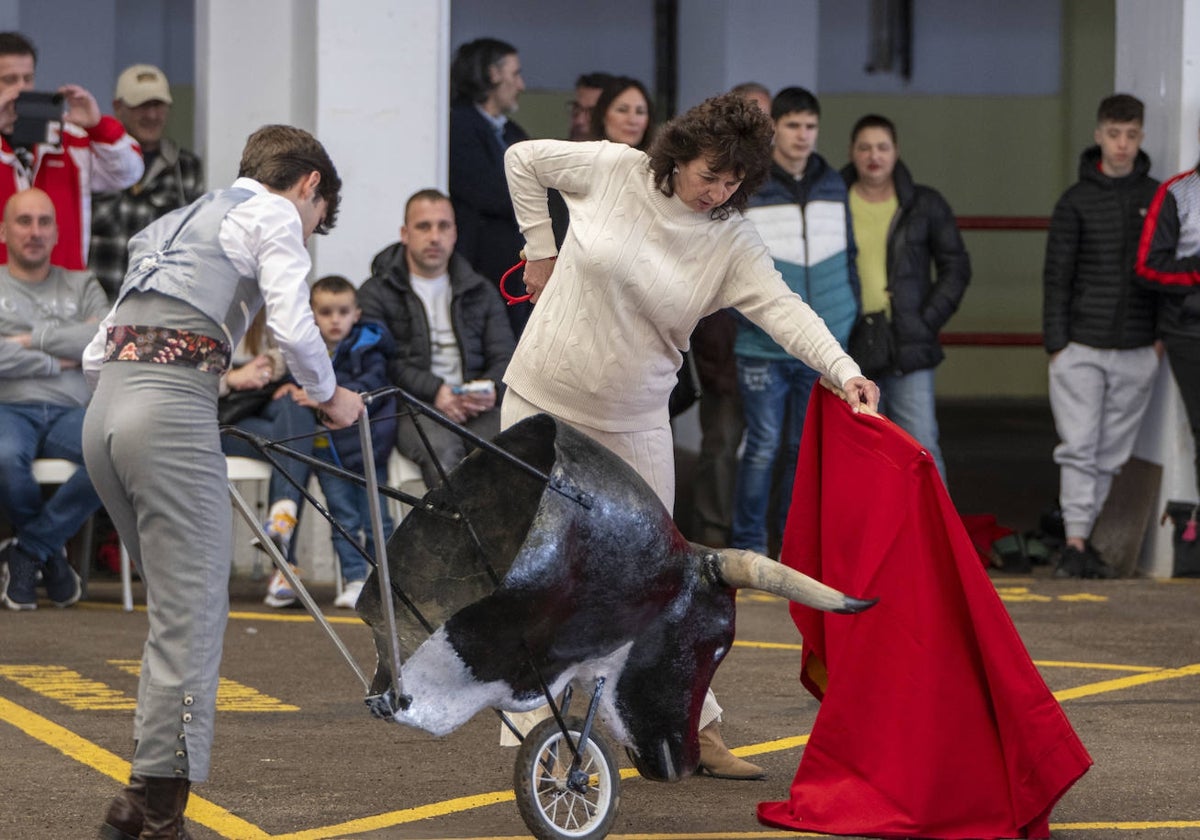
(174, 176)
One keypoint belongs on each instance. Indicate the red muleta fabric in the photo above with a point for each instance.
(934, 721)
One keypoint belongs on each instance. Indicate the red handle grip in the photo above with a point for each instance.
(512, 299)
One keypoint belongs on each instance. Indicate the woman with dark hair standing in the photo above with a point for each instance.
(903, 230)
(485, 83)
(656, 242)
(624, 114)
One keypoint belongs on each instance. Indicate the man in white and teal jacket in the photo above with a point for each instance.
(802, 214)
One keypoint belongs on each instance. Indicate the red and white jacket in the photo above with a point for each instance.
(103, 157)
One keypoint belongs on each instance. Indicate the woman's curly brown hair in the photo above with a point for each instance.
(730, 133)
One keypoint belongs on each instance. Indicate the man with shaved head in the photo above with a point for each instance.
(47, 316)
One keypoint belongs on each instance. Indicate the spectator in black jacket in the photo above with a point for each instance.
(485, 82)
(903, 230)
(1098, 324)
(450, 330)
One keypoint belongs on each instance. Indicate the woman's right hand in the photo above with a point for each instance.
(254, 374)
(537, 275)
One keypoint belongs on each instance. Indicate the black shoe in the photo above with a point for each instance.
(1094, 566)
(18, 580)
(62, 583)
(1071, 563)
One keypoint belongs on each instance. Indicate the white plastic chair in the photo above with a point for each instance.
(50, 472)
(238, 469)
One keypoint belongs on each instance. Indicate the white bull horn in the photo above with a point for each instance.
(746, 569)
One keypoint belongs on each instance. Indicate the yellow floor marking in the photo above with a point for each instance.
(769, 645)
(68, 687)
(81, 693)
(230, 826)
(85, 752)
(408, 815)
(290, 616)
(1122, 683)
(1095, 666)
(231, 696)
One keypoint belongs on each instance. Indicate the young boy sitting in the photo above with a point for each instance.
(359, 351)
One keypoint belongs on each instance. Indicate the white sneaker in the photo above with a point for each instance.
(351, 589)
(279, 591)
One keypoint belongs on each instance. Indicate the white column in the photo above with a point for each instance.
(1158, 59)
(722, 44)
(382, 112)
(369, 79)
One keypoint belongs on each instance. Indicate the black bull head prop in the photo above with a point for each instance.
(583, 578)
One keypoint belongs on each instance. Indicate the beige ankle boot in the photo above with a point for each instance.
(716, 759)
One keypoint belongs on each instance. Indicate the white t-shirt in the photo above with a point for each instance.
(435, 295)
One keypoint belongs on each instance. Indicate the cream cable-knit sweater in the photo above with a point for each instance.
(636, 272)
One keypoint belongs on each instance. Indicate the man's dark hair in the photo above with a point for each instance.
(332, 284)
(750, 88)
(14, 43)
(1121, 108)
(874, 121)
(280, 155)
(424, 195)
(470, 79)
(730, 133)
(617, 86)
(594, 80)
(794, 100)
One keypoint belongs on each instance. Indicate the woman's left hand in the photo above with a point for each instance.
(862, 394)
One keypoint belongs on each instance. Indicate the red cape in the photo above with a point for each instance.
(934, 721)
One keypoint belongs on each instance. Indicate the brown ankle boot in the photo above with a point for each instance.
(124, 818)
(165, 801)
(716, 760)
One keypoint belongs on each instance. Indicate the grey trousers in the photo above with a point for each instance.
(448, 448)
(1098, 398)
(152, 448)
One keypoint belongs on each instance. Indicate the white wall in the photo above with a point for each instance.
(723, 44)
(974, 47)
(560, 40)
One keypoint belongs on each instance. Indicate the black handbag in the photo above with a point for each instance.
(1184, 538)
(872, 344)
(238, 405)
(687, 387)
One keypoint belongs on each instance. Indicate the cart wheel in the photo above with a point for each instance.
(554, 806)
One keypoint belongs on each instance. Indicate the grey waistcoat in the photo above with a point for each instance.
(180, 255)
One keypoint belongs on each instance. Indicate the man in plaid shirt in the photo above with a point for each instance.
(174, 176)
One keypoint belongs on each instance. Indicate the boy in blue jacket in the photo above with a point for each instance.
(359, 351)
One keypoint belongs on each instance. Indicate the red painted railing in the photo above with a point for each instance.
(996, 339)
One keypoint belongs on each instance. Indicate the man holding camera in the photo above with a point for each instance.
(453, 338)
(174, 176)
(89, 152)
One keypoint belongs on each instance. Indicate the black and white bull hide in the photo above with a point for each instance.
(587, 576)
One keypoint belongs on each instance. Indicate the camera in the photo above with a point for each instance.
(39, 119)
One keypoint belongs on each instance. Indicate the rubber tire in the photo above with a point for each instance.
(546, 735)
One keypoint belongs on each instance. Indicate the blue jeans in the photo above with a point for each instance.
(39, 430)
(347, 504)
(775, 396)
(907, 400)
(282, 419)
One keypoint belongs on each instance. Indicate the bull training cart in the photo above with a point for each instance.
(542, 563)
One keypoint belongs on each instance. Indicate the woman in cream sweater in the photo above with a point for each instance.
(656, 241)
